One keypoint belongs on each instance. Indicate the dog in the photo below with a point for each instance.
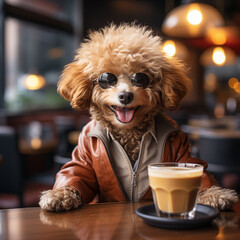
(125, 80)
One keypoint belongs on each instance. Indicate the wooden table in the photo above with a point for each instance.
(106, 221)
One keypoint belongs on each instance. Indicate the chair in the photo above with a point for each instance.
(15, 190)
(222, 153)
(11, 176)
(68, 135)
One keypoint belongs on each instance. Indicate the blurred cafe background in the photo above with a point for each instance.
(38, 128)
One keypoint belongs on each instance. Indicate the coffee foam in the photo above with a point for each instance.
(175, 172)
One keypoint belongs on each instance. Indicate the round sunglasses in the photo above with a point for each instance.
(107, 80)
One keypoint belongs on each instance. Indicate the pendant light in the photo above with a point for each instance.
(191, 20)
(218, 56)
(174, 48)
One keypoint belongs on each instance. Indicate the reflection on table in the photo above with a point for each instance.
(107, 221)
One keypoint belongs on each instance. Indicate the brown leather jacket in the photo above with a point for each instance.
(92, 174)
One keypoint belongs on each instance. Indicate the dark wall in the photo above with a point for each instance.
(97, 14)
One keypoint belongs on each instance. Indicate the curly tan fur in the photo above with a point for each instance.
(218, 197)
(62, 199)
(75, 87)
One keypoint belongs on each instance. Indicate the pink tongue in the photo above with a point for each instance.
(125, 115)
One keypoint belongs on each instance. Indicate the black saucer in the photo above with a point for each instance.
(204, 216)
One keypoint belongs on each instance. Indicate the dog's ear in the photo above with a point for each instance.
(75, 86)
(174, 83)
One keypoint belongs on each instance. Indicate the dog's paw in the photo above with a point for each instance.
(61, 199)
(218, 197)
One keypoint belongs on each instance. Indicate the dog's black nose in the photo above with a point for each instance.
(125, 97)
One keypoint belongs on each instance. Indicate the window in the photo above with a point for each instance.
(39, 40)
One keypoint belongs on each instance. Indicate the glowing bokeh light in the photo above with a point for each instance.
(194, 17)
(217, 36)
(34, 82)
(219, 56)
(169, 48)
(236, 87)
(36, 143)
(231, 82)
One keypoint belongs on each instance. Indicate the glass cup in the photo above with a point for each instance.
(175, 188)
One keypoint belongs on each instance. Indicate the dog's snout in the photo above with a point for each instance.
(125, 97)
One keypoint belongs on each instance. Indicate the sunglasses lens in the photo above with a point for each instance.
(140, 80)
(107, 80)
